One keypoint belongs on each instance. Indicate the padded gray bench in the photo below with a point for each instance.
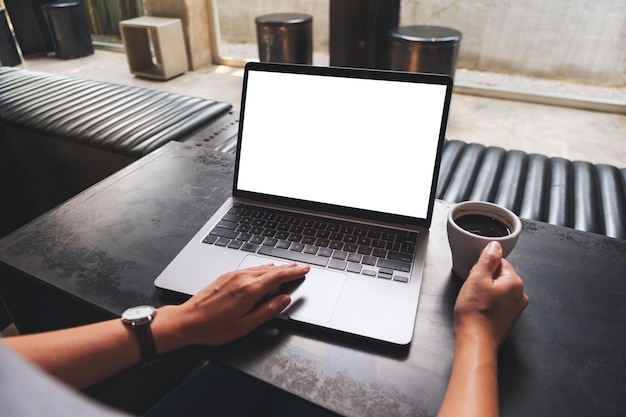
(574, 194)
(120, 119)
(60, 135)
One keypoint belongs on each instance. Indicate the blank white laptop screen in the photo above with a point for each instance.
(359, 143)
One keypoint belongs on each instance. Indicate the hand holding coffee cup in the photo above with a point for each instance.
(472, 225)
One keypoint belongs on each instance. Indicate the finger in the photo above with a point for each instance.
(509, 276)
(509, 273)
(276, 276)
(257, 268)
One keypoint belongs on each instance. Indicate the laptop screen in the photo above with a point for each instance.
(362, 140)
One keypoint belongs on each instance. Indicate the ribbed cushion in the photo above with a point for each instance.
(561, 195)
(575, 194)
(613, 202)
(128, 120)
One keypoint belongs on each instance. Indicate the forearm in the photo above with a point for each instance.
(223, 311)
(473, 386)
(84, 355)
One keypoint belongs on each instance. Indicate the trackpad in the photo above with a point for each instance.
(315, 298)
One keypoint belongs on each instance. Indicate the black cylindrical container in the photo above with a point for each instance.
(432, 49)
(285, 38)
(69, 29)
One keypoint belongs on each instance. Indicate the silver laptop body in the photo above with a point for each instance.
(354, 151)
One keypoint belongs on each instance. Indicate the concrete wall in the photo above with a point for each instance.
(579, 39)
(570, 39)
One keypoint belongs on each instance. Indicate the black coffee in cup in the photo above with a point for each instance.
(481, 225)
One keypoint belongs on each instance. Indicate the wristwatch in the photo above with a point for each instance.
(139, 319)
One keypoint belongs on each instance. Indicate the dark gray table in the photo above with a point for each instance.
(101, 251)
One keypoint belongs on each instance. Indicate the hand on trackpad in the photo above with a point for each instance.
(315, 298)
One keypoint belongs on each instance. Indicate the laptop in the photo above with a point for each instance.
(337, 168)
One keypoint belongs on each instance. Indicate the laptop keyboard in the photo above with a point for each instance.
(346, 246)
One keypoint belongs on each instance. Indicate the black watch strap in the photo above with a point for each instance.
(146, 342)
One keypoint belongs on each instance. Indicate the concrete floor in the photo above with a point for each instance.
(574, 134)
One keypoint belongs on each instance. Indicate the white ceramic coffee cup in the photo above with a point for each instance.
(466, 247)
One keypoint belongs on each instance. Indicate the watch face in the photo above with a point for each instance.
(138, 313)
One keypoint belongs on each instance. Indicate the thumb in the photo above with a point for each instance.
(266, 311)
(489, 261)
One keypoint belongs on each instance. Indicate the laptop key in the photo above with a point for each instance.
(379, 253)
(244, 228)
(320, 225)
(349, 247)
(337, 264)
(368, 260)
(257, 239)
(235, 244)
(256, 230)
(385, 271)
(218, 231)
(353, 257)
(364, 250)
(270, 241)
(310, 249)
(410, 239)
(222, 241)
(323, 234)
(407, 248)
(400, 278)
(384, 275)
(231, 217)
(339, 254)
(393, 246)
(346, 229)
(308, 240)
(374, 234)
(325, 252)
(244, 237)
(395, 265)
(270, 216)
(210, 239)
(322, 243)
(293, 237)
(292, 256)
(335, 245)
(298, 247)
(224, 224)
(250, 247)
(350, 239)
(283, 244)
(398, 256)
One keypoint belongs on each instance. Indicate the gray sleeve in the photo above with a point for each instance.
(25, 391)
